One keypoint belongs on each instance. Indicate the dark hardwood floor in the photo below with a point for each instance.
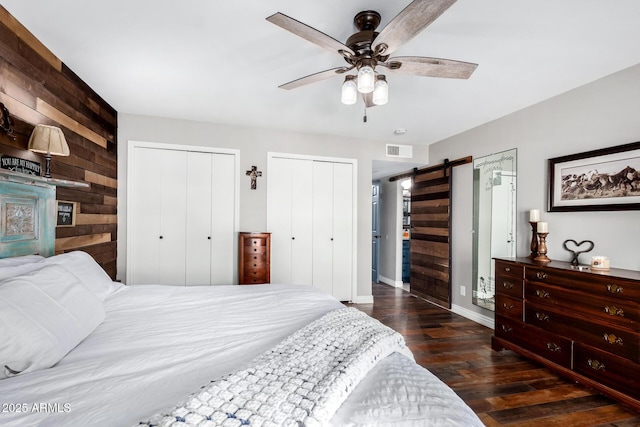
(501, 387)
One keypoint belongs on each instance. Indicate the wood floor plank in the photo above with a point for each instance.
(503, 388)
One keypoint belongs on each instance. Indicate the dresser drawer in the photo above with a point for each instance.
(509, 307)
(254, 258)
(596, 284)
(553, 347)
(617, 373)
(608, 309)
(257, 249)
(608, 337)
(504, 268)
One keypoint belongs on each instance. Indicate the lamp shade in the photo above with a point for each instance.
(349, 91)
(48, 140)
(381, 91)
(366, 79)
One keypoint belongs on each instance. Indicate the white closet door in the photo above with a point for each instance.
(145, 211)
(198, 234)
(223, 236)
(279, 209)
(301, 221)
(342, 231)
(323, 226)
(173, 206)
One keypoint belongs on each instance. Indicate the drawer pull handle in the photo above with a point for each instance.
(615, 289)
(614, 311)
(540, 275)
(542, 294)
(507, 269)
(508, 307)
(507, 285)
(612, 339)
(595, 365)
(542, 316)
(506, 328)
(554, 347)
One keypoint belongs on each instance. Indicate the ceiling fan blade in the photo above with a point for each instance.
(313, 78)
(408, 23)
(430, 67)
(308, 33)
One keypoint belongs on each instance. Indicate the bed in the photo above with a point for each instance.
(138, 351)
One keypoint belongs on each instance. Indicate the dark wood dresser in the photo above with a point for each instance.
(585, 325)
(254, 260)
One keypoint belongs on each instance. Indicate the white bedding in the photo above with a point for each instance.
(158, 344)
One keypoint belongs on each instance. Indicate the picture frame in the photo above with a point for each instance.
(607, 179)
(65, 213)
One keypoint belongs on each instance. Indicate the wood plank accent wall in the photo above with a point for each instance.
(38, 88)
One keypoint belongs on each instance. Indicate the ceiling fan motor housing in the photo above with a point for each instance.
(361, 42)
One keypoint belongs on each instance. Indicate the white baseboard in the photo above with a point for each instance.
(472, 315)
(391, 282)
(363, 299)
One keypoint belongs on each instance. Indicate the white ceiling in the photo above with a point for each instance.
(222, 62)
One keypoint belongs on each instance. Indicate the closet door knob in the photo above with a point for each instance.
(208, 237)
(293, 238)
(162, 237)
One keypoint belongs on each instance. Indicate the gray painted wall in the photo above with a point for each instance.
(601, 114)
(254, 144)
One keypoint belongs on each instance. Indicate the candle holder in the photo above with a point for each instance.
(534, 240)
(542, 249)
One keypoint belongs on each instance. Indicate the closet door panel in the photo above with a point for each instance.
(198, 224)
(323, 226)
(223, 238)
(279, 218)
(173, 206)
(301, 222)
(342, 231)
(145, 211)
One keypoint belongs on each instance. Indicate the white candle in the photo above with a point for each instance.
(534, 215)
(543, 227)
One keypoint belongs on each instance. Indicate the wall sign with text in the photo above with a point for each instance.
(65, 214)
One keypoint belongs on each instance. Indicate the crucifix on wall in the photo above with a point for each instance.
(254, 173)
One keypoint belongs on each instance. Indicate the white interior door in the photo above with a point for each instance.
(279, 211)
(173, 220)
(342, 231)
(323, 226)
(199, 186)
(145, 195)
(223, 217)
(301, 221)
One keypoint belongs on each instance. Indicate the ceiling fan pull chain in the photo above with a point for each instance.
(364, 118)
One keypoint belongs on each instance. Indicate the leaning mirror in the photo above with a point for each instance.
(494, 220)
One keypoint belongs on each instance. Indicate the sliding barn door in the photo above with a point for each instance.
(430, 235)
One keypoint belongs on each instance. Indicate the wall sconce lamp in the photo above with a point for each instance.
(49, 140)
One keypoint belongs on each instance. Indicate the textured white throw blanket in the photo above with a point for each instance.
(300, 382)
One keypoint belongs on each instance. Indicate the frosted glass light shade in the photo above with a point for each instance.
(381, 91)
(349, 91)
(366, 79)
(48, 140)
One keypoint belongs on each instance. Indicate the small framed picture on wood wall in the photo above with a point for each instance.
(65, 213)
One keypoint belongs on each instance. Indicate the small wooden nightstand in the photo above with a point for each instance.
(254, 261)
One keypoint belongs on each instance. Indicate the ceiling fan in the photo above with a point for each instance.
(367, 49)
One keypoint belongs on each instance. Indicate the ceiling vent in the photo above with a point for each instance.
(404, 151)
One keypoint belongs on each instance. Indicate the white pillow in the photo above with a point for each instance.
(17, 270)
(43, 316)
(19, 260)
(85, 268)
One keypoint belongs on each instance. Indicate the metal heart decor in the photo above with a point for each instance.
(577, 252)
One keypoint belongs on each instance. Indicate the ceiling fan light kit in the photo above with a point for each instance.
(367, 49)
